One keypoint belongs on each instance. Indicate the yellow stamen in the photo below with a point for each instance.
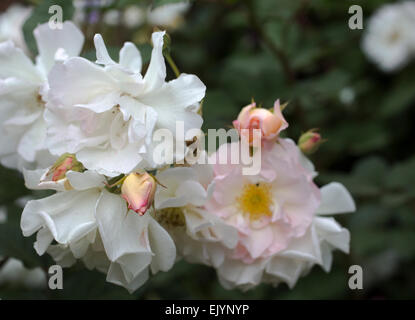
(171, 217)
(256, 200)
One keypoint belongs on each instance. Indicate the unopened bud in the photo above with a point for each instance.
(138, 190)
(64, 164)
(310, 141)
(270, 122)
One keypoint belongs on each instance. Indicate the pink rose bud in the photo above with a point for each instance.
(271, 123)
(64, 164)
(138, 190)
(310, 141)
(60, 171)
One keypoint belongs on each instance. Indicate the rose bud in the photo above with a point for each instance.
(271, 123)
(59, 172)
(138, 190)
(310, 141)
(65, 163)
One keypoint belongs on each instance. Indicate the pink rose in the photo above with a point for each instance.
(271, 123)
(268, 210)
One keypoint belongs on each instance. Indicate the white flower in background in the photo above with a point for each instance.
(106, 114)
(112, 17)
(3, 214)
(13, 272)
(22, 94)
(199, 235)
(11, 24)
(389, 39)
(88, 11)
(168, 15)
(280, 218)
(86, 221)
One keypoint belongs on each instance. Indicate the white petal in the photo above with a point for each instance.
(288, 269)
(156, 72)
(173, 100)
(14, 63)
(80, 76)
(116, 275)
(43, 239)
(122, 232)
(110, 162)
(162, 246)
(102, 53)
(32, 141)
(67, 215)
(330, 231)
(69, 38)
(306, 248)
(335, 199)
(130, 58)
(85, 180)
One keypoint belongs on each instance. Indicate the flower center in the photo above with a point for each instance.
(173, 217)
(256, 200)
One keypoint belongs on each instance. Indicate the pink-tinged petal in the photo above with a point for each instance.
(258, 241)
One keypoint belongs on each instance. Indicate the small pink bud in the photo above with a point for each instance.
(310, 141)
(60, 171)
(65, 163)
(271, 123)
(138, 190)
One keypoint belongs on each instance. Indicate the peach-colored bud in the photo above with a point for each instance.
(310, 141)
(65, 163)
(271, 123)
(60, 171)
(138, 190)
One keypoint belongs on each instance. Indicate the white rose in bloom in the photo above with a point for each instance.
(106, 114)
(22, 94)
(11, 24)
(168, 15)
(199, 235)
(389, 39)
(86, 221)
(282, 232)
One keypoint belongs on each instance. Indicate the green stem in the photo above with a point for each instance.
(173, 66)
(275, 50)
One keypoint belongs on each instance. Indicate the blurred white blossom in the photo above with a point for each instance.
(168, 15)
(14, 273)
(389, 39)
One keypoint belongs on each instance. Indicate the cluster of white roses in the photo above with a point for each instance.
(390, 38)
(86, 130)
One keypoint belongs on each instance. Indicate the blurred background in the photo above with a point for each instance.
(300, 51)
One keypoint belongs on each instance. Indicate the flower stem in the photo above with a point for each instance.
(173, 66)
(275, 50)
